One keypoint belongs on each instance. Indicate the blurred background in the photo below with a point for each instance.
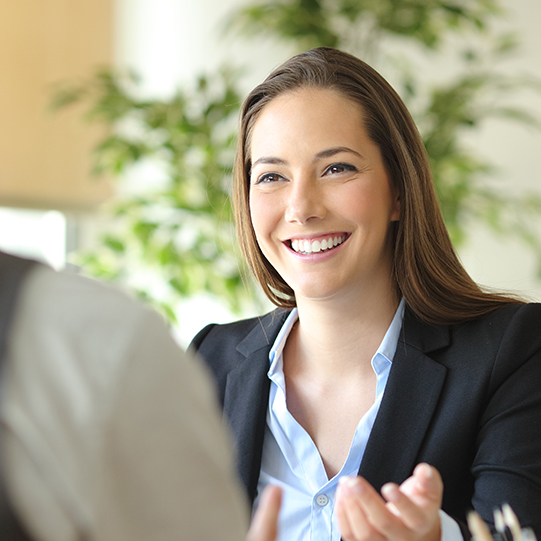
(118, 117)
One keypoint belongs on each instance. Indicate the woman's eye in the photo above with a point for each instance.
(268, 178)
(337, 168)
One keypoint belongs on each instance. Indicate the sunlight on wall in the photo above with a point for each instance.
(39, 234)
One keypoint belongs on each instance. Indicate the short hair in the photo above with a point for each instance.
(425, 268)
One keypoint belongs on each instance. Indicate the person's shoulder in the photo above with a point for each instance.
(513, 330)
(512, 326)
(74, 295)
(520, 309)
(521, 316)
(63, 306)
(224, 346)
(87, 338)
(519, 324)
(233, 333)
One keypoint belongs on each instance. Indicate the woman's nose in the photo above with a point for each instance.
(305, 202)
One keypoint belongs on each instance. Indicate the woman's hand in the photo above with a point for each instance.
(264, 526)
(409, 512)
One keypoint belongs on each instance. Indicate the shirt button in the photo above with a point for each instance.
(322, 500)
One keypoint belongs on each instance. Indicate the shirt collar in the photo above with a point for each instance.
(383, 356)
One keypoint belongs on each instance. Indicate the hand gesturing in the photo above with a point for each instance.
(409, 512)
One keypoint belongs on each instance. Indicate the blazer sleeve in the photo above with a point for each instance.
(507, 464)
(198, 339)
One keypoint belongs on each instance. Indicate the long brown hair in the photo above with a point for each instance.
(426, 269)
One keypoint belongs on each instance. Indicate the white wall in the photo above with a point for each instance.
(515, 151)
(169, 41)
(34, 233)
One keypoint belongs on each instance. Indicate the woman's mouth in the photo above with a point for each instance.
(314, 246)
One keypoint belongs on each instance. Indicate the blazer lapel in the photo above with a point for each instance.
(247, 395)
(409, 401)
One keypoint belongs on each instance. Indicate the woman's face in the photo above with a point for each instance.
(320, 199)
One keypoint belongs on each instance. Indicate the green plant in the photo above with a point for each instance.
(174, 237)
(362, 26)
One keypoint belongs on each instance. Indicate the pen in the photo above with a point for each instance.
(528, 535)
(511, 520)
(501, 527)
(506, 524)
(478, 528)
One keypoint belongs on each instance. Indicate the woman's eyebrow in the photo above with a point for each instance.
(269, 160)
(328, 153)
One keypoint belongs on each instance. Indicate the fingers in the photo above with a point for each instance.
(478, 528)
(352, 519)
(343, 514)
(362, 514)
(416, 518)
(264, 526)
(424, 487)
(410, 511)
(418, 500)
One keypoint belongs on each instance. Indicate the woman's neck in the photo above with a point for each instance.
(337, 335)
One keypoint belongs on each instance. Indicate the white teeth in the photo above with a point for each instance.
(310, 247)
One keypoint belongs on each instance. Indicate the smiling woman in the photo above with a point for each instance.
(317, 177)
(384, 358)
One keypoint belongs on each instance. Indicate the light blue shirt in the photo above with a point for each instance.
(292, 461)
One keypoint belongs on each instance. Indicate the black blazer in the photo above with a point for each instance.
(465, 398)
